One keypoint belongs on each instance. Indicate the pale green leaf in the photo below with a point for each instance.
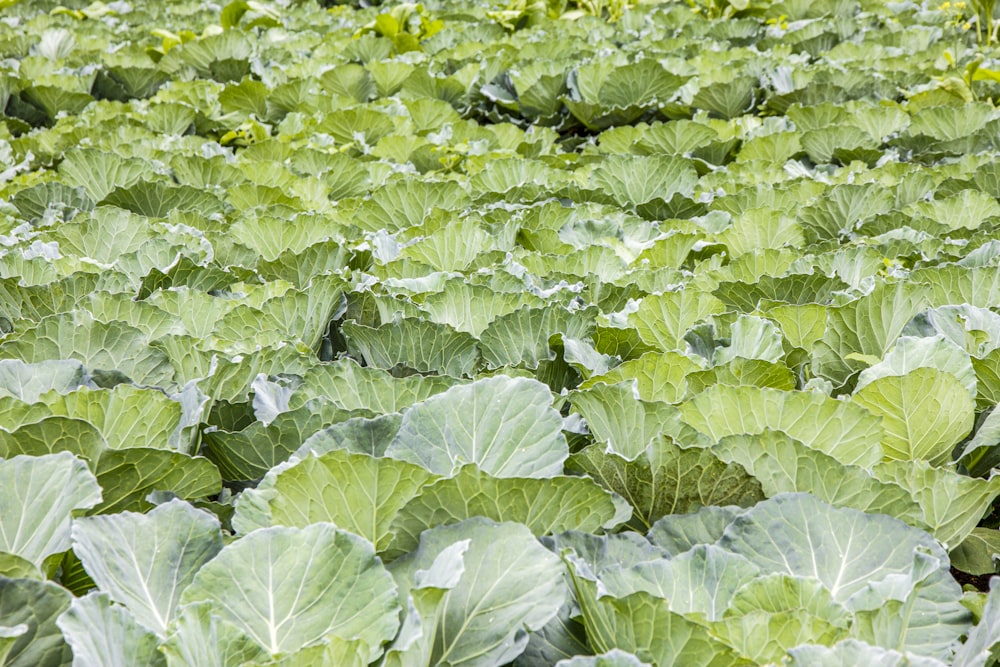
(288, 588)
(145, 561)
(504, 425)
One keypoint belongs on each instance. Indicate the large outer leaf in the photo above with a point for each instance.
(656, 376)
(951, 503)
(840, 429)
(911, 353)
(663, 319)
(98, 172)
(866, 326)
(126, 416)
(925, 413)
(560, 639)
(771, 614)
(107, 635)
(667, 479)
(678, 533)
(200, 637)
(782, 464)
(127, 476)
(522, 336)
(919, 612)
(506, 583)
(424, 346)
(701, 581)
(248, 454)
(545, 506)
(288, 588)
(843, 548)
(8, 637)
(52, 435)
(35, 604)
(100, 346)
(643, 623)
(626, 424)
(38, 496)
(504, 425)
(145, 561)
(356, 492)
(634, 180)
(29, 381)
(355, 387)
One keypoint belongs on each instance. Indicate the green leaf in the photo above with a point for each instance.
(29, 381)
(976, 553)
(404, 203)
(288, 588)
(848, 551)
(106, 634)
(15, 567)
(358, 435)
(634, 180)
(727, 99)
(842, 430)
(453, 248)
(782, 464)
(249, 453)
(868, 325)
(626, 424)
(506, 426)
(658, 376)
(426, 347)
(666, 479)
(126, 416)
(354, 387)
(925, 413)
(663, 319)
(333, 652)
(356, 492)
(201, 637)
(145, 561)
(545, 506)
(921, 613)
(952, 504)
(701, 583)
(107, 347)
(8, 637)
(155, 199)
(752, 337)
(911, 353)
(774, 613)
(560, 639)
(33, 203)
(643, 624)
(761, 228)
(99, 172)
(127, 476)
(475, 587)
(37, 605)
(522, 337)
(471, 308)
(51, 435)
(39, 494)
(677, 534)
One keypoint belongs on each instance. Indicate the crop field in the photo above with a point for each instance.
(566, 333)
